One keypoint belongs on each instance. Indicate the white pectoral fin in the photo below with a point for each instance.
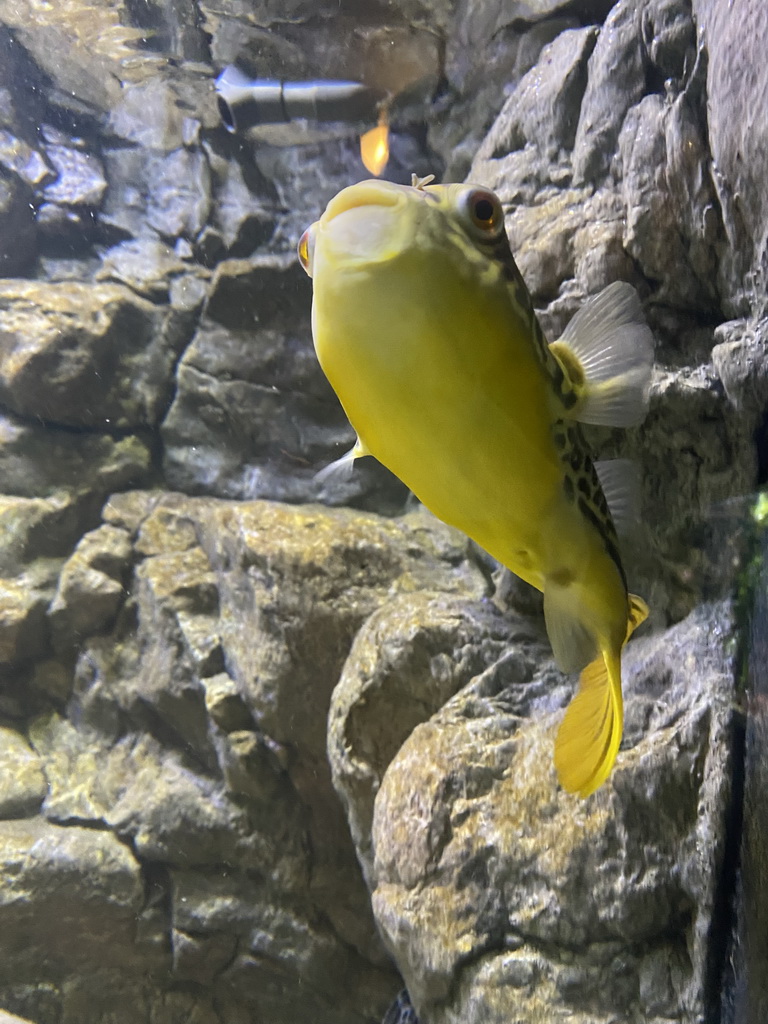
(572, 643)
(614, 347)
(620, 482)
(340, 470)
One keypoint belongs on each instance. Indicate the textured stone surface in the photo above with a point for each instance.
(22, 782)
(92, 356)
(479, 875)
(737, 82)
(90, 589)
(18, 244)
(90, 886)
(409, 658)
(616, 82)
(194, 732)
(745, 995)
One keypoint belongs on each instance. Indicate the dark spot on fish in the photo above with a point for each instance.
(575, 460)
(558, 377)
(568, 488)
(569, 399)
(561, 577)
(584, 487)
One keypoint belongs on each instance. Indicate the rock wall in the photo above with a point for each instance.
(229, 724)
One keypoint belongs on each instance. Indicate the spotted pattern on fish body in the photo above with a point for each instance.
(579, 471)
(581, 486)
(500, 253)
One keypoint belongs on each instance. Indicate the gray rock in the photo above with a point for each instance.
(243, 211)
(480, 863)
(195, 769)
(669, 35)
(483, 65)
(156, 193)
(745, 992)
(173, 667)
(22, 782)
(148, 115)
(151, 268)
(79, 56)
(91, 589)
(79, 177)
(86, 355)
(616, 82)
(657, 134)
(263, 929)
(23, 636)
(225, 705)
(18, 245)
(740, 358)
(543, 109)
(41, 461)
(402, 666)
(60, 882)
(738, 139)
(178, 203)
(19, 158)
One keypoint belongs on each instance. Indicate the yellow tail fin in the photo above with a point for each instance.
(590, 734)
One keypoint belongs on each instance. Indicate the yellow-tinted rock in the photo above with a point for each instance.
(22, 783)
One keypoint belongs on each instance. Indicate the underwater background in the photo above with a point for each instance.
(271, 748)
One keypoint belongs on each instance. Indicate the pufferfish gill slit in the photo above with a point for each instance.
(427, 333)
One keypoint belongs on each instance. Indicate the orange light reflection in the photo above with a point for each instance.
(374, 147)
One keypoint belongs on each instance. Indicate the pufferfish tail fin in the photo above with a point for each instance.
(606, 352)
(589, 736)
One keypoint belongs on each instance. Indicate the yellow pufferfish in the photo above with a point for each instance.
(427, 333)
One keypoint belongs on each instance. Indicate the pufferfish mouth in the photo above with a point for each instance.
(364, 193)
(364, 224)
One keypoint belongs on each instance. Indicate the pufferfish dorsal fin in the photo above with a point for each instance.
(606, 352)
(340, 470)
(620, 483)
(420, 183)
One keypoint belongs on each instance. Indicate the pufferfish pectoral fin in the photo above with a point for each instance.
(340, 470)
(606, 351)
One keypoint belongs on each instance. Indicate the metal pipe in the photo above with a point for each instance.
(244, 102)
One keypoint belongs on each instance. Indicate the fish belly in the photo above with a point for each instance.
(451, 396)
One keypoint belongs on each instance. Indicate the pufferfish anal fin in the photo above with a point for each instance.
(606, 352)
(620, 483)
(573, 645)
(340, 470)
(589, 736)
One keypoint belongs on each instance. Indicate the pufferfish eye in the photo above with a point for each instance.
(482, 212)
(305, 249)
